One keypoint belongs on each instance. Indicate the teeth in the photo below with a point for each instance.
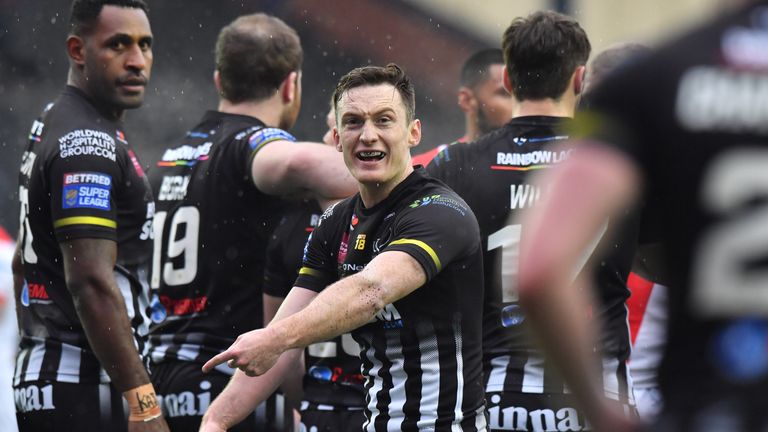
(370, 154)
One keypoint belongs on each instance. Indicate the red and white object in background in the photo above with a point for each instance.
(9, 333)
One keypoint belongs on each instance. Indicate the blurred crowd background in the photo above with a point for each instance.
(430, 39)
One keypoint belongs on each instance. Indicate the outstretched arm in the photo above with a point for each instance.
(285, 167)
(340, 308)
(594, 184)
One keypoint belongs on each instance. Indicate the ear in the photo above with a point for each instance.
(336, 139)
(506, 81)
(288, 87)
(217, 81)
(578, 79)
(76, 49)
(414, 133)
(466, 100)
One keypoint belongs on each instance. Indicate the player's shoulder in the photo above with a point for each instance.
(258, 137)
(338, 211)
(434, 195)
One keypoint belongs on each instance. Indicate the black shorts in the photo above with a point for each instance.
(537, 412)
(185, 393)
(54, 406)
(321, 419)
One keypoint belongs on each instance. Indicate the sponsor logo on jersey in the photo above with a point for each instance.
(86, 190)
(524, 195)
(185, 155)
(335, 375)
(120, 136)
(390, 317)
(157, 312)
(516, 418)
(34, 293)
(33, 398)
(532, 160)
(173, 188)
(136, 164)
(714, 99)
(186, 403)
(37, 131)
(87, 142)
(440, 200)
(184, 307)
(264, 136)
(348, 268)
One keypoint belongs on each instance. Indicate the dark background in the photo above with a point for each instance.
(336, 36)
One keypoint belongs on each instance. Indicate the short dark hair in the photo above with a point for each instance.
(254, 54)
(475, 69)
(541, 52)
(613, 57)
(374, 75)
(84, 13)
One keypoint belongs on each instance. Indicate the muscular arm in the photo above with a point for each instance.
(595, 183)
(244, 393)
(340, 308)
(88, 268)
(284, 167)
(292, 385)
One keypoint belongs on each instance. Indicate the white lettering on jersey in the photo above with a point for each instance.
(173, 188)
(713, 99)
(84, 142)
(516, 418)
(186, 152)
(388, 313)
(27, 161)
(522, 196)
(538, 157)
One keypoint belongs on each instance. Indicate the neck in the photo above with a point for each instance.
(267, 110)
(471, 131)
(565, 107)
(372, 194)
(75, 79)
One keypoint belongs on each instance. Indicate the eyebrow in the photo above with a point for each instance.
(127, 39)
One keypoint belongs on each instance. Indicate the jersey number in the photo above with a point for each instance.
(28, 254)
(182, 242)
(724, 283)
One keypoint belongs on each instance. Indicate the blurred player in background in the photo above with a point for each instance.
(482, 98)
(84, 247)
(9, 331)
(684, 130)
(218, 199)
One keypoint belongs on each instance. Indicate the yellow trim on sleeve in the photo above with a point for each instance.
(85, 220)
(422, 245)
(308, 271)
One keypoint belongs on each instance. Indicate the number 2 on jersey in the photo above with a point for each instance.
(182, 242)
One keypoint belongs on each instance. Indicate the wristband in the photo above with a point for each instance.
(142, 402)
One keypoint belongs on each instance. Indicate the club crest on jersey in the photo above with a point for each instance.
(120, 136)
(86, 190)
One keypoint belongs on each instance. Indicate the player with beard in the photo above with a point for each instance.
(545, 55)
(218, 199)
(684, 131)
(482, 98)
(399, 263)
(85, 242)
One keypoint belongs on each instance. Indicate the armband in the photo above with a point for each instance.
(142, 402)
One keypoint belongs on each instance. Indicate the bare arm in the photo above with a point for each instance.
(88, 269)
(292, 385)
(244, 393)
(340, 308)
(595, 183)
(284, 167)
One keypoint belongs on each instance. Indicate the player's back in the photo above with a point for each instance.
(696, 126)
(493, 176)
(211, 231)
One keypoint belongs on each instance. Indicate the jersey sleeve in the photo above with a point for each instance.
(83, 178)
(318, 264)
(261, 137)
(436, 230)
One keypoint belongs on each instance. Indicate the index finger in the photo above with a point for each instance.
(217, 360)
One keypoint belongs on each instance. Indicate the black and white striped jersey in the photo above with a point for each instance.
(79, 179)
(492, 175)
(421, 356)
(212, 226)
(332, 379)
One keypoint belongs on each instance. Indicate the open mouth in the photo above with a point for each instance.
(370, 156)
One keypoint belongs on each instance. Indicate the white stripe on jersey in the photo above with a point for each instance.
(498, 373)
(19, 364)
(397, 395)
(611, 378)
(533, 374)
(190, 352)
(142, 274)
(69, 364)
(36, 355)
(480, 422)
(430, 380)
(458, 413)
(378, 383)
(125, 289)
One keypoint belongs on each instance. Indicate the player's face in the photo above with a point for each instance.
(375, 135)
(118, 57)
(494, 104)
